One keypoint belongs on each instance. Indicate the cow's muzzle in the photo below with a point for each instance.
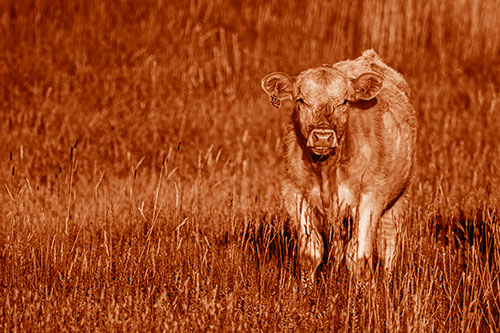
(322, 141)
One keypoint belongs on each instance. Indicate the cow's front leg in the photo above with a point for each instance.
(360, 247)
(310, 242)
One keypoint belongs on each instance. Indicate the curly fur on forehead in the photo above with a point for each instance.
(322, 82)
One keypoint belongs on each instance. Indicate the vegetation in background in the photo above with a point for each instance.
(140, 166)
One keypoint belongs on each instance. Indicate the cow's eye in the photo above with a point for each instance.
(345, 101)
(301, 102)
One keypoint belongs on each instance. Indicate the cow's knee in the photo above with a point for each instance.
(356, 259)
(310, 254)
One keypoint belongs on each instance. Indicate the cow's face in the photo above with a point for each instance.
(322, 99)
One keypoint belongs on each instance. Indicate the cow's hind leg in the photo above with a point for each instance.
(388, 231)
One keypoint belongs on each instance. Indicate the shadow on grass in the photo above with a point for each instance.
(474, 229)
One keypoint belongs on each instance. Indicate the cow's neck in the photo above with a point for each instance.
(325, 170)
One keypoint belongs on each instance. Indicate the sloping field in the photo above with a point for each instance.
(140, 166)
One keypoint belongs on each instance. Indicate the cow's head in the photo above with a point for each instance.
(322, 99)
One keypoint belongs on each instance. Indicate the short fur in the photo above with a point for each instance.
(366, 172)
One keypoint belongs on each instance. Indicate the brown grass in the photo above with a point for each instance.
(140, 166)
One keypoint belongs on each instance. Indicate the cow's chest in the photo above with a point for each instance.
(346, 197)
(337, 195)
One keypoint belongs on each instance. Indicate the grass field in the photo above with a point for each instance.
(140, 165)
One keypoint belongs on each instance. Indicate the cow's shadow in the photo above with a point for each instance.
(271, 239)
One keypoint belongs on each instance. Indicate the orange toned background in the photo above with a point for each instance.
(140, 162)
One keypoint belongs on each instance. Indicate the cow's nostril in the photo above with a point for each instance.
(323, 137)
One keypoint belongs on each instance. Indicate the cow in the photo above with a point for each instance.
(349, 151)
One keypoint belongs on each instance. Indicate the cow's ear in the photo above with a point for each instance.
(366, 86)
(279, 86)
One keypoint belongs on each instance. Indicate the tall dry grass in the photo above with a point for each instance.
(141, 165)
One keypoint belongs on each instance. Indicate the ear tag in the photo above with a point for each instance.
(275, 99)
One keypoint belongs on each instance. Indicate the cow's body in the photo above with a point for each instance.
(350, 150)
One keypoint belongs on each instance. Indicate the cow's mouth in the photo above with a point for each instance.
(321, 154)
(322, 151)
